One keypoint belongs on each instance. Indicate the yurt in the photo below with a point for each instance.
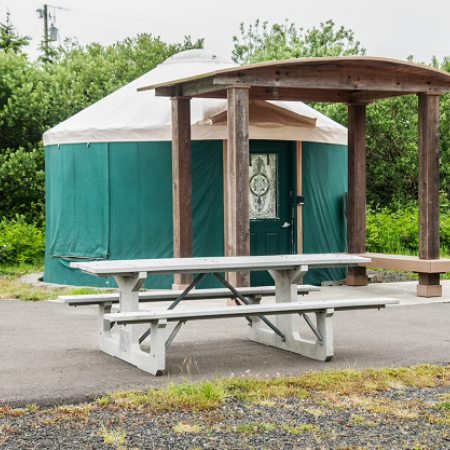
(109, 179)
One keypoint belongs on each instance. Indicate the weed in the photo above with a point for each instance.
(32, 408)
(253, 428)
(357, 418)
(185, 428)
(301, 429)
(112, 437)
(8, 429)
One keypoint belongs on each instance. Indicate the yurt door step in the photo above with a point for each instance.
(272, 218)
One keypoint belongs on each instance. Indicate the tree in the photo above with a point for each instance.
(9, 39)
(284, 41)
(37, 96)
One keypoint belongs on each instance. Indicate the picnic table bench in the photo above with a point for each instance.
(284, 333)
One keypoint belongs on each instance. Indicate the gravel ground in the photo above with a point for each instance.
(406, 419)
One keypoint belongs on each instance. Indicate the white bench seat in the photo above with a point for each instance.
(321, 348)
(176, 315)
(167, 295)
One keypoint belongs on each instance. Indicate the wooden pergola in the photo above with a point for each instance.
(355, 81)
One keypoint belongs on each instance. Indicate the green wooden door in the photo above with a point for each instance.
(271, 202)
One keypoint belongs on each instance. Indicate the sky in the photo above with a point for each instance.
(388, 28)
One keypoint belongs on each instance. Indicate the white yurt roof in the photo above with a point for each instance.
(131, 116)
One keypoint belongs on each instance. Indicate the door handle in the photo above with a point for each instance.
(286, 225)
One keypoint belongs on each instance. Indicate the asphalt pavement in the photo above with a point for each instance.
(49, 351)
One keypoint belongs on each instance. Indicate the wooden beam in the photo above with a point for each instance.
(429, 187)
(182, 185)
(299, 192)
(357, 190)
(195, 88)
(334, 77)
(371, 96)
(289, 94)
(166, 91)
(237, 206)
(282, 94)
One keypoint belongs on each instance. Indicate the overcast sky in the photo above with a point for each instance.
(389, 28)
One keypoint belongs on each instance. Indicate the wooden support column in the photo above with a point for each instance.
(429, 187)
(299, 192)
(182, 185)
(236, 182)
(357, 190)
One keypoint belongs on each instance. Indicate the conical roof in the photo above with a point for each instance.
(131, 116)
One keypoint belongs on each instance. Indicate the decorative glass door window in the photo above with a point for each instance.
(264, 186)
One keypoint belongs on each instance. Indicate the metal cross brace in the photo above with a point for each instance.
(244, 300)
(175, 303)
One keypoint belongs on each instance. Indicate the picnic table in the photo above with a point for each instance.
(285, 270)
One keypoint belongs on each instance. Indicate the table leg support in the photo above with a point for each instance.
(127, 346)
(286, 291)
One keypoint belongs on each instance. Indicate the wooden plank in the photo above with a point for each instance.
(182, 184)
(408, 263)
(429, 182)
(335, 77)
(199, 87)
(371, 96)
(288, 94)
(299, 192)
(237, 179)
(356, 189)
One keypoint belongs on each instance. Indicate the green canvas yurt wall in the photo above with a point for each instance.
(114, 201)
(325, 183)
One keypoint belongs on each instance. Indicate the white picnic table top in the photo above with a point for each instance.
(218, 264)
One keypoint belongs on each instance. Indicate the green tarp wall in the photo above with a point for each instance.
(325, 184)
(114, 201)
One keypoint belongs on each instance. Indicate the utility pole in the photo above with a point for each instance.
(46, 31)
(44, 14)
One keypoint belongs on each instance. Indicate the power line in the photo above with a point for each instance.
(140, 20)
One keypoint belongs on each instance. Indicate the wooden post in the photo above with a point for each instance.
(429, 187)
(357, 190)
(236, 182)
(299, 192)
(182, 185)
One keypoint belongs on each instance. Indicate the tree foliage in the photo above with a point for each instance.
(35, 96)
(10, 40)
(261, 43)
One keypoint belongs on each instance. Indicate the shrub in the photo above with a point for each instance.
(21, 242)
(395, 230)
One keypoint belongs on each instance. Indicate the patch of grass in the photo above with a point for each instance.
(252, 428)
(74, 413)
(112, 437)
(20, 269)
(202, 396)
(32, 408)
(334, 387)
(301, 429)
(11, 286)
(185, 428)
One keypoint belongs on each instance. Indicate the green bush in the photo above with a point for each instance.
(21, 242)
(395, 230)
(22, 184)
